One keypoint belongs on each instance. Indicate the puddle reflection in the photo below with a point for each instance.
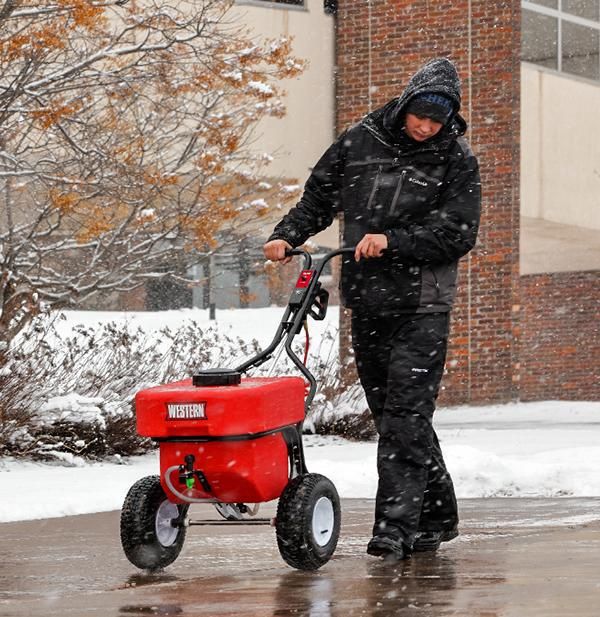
(141, 579)
(426, 583)
(306, 594)
(154, 609)
(375, 589)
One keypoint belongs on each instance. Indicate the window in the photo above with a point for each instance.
(580, 50)
(540, 39)
(330, 7)
(563, 35)
(588, 9)
(296, 2)
(551, 4)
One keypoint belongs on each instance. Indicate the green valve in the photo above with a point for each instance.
(189, 482)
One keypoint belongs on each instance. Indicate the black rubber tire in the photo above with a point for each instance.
(138, 526)
(295, 537)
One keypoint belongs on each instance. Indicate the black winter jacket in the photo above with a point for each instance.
(424, 196)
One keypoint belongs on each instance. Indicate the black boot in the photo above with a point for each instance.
(388, 548)
(431, 540)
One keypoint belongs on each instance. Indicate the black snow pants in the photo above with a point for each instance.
(400, 361)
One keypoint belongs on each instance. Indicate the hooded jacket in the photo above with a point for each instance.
(424, 196)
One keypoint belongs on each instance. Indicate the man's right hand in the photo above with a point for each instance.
(275, 251)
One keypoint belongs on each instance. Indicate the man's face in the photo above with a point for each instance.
(421, 128)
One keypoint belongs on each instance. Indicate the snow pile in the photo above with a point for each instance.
(73, 383)
(526, 449)
(72, 408)
(519, 455)
(554, 473)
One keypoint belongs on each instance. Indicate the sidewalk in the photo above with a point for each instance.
(514, 558)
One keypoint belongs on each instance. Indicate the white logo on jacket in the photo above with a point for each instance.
(419, 182)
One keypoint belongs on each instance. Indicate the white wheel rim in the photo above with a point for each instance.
(165, 532)
(322, 521)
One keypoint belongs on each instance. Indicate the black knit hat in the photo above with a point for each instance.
(431, 105)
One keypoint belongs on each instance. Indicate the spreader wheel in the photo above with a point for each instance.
(148, 538)
(308, 521)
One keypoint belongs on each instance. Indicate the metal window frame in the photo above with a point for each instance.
(562, 16)
(274, 4)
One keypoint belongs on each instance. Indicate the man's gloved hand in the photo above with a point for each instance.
(372, 245)
(275, 251)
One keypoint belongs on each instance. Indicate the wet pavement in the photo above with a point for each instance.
(514, 558)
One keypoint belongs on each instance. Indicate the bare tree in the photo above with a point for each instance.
(125, 134)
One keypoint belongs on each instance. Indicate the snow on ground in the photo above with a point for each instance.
(544, 449)
(248, 324)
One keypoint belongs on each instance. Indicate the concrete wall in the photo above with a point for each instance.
(298, 140)
(560, 151)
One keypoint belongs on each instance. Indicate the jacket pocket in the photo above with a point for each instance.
(438, 284)
(416, 195)
(401, 287)
(381, 287)
(384, 197)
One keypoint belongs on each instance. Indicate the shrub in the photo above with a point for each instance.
(71, 397)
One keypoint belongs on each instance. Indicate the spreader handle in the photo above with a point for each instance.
(293, 318)
(305, 254)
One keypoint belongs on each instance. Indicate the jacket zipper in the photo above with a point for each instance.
(374, 191)
(435, 282)
(397, 193)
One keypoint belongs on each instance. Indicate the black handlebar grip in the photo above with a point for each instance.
(305, 254)
(290, 252)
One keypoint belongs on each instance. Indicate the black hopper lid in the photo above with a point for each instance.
(217, 377)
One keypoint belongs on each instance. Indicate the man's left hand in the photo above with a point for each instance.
(372, 245)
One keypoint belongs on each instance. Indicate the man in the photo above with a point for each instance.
(408, 186)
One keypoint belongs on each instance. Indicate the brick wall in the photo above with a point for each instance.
(380, 43)
(560, 336)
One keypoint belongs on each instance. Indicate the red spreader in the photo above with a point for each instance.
(236, 442)
(234, 433)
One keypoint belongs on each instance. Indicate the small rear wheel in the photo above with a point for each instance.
(308, 521)
(149, 539)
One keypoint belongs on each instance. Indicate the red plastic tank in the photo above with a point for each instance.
(239, 445)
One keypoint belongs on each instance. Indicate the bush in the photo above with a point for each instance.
(73, 395)
(65, 397)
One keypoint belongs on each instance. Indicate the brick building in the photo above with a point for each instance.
(526, 324)
(483, 360)
(533, 336)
